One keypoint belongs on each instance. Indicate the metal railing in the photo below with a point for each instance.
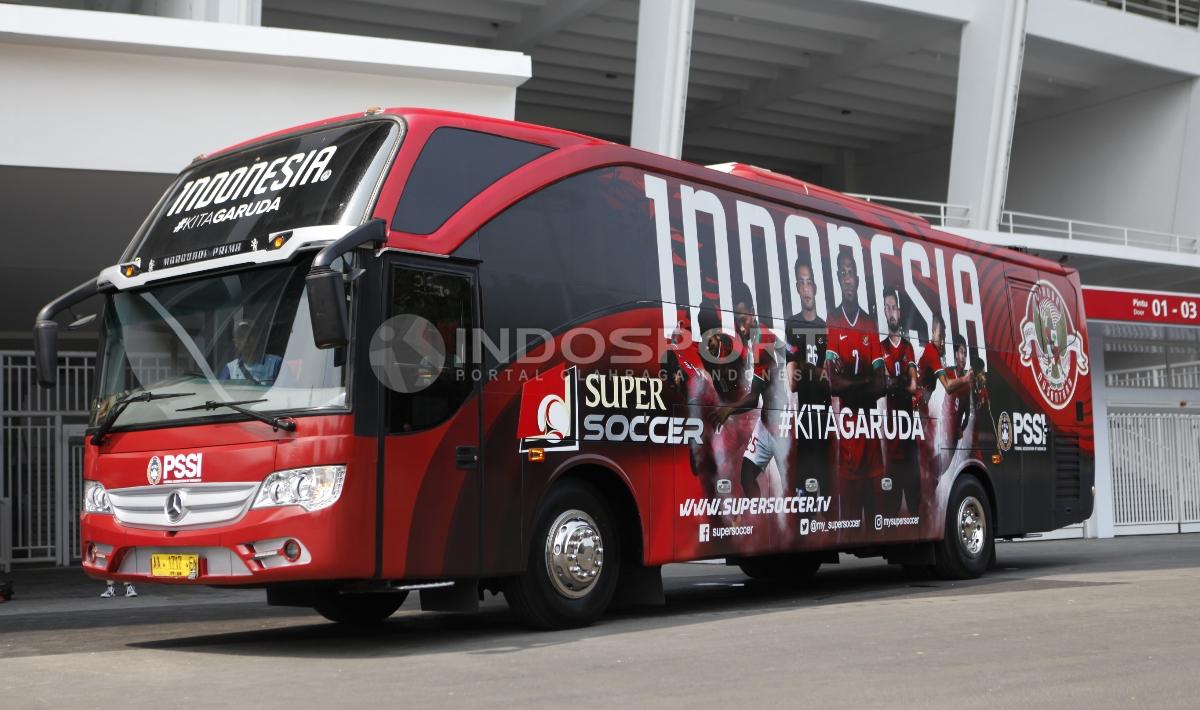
(939, 214)
(944, 214)
(1185, 13)
(5, 535)
(1184, 375)
(1044, 225)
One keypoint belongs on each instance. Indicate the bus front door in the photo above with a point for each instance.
(432, 480)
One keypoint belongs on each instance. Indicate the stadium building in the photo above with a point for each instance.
(1065, 128)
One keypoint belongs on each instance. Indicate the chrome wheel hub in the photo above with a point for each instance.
(574, 553)
(972, 525)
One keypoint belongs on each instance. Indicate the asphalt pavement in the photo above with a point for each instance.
(1080, 623)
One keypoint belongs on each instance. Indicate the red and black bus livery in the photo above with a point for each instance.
(417, 350)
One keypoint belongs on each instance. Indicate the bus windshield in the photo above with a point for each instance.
(241, 337)
(228, 205)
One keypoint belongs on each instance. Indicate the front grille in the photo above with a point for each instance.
(203, 505)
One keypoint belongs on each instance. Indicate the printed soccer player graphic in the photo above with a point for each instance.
(760, 362)
(981, 401)
(854, 364)
(709, 375)
(806, 345)
(900, 386)
(958, 408)
(930, 372)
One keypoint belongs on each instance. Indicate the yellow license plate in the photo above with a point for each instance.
(170, 565)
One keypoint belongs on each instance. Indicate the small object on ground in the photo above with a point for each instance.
(6, 591)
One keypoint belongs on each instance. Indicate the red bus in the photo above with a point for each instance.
(417, 350)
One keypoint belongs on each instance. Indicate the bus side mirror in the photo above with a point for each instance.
(45, 348)
(45, 330)
(327, 288)
(327, 308)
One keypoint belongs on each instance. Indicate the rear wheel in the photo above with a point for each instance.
(969, 544)
(574, 557)
(359, 609)
(791, 570)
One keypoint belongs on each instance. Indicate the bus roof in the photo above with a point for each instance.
(588, 152)
(753, 172)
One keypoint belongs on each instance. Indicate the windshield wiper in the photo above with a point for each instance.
(119, 406)
(277, 423)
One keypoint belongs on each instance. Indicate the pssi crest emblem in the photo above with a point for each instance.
(1005, 426)
(1050, 346)
(154, 471)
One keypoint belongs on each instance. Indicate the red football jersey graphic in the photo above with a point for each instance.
(854, 344)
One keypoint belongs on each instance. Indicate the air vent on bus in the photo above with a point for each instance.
(1068, 469)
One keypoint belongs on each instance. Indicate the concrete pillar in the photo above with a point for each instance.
(989, 74)
(1186, 220)
(664, 49)
(233, 12)
(841, 175)
(1101, 522)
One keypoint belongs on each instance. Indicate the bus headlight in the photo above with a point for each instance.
(314, 487)
(95, 498)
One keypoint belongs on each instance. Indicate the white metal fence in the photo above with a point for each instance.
(939, 214)
(1178, 12)
(41, 448)
(1155, 472)
(1184, 375)
(1063, 228)
(944, 214)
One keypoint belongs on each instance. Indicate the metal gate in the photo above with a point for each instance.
(41, 455)
(1155, 472)
(70, 492)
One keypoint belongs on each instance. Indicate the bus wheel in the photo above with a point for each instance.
(967, 549)
(791, 570)
(359, 609)
(574, 557)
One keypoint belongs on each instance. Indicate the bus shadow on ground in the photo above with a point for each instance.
(133, 616)
(691, 599)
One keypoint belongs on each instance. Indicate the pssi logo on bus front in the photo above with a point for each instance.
(176, 468)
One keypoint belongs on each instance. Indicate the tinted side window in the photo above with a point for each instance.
(582, 245)
(428, 377)
(454, 166)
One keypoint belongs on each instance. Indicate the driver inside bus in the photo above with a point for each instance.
(259, 368)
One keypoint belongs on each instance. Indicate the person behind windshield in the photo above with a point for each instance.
(248, 365)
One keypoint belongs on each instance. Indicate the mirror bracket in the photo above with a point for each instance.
(327, 288)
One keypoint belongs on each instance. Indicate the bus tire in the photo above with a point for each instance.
(790, 570)
(574, 559)
(359, 609)
(966, 550)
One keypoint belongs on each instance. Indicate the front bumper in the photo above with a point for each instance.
(333, 543)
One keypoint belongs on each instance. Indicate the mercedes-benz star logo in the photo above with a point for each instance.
(174, 507)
